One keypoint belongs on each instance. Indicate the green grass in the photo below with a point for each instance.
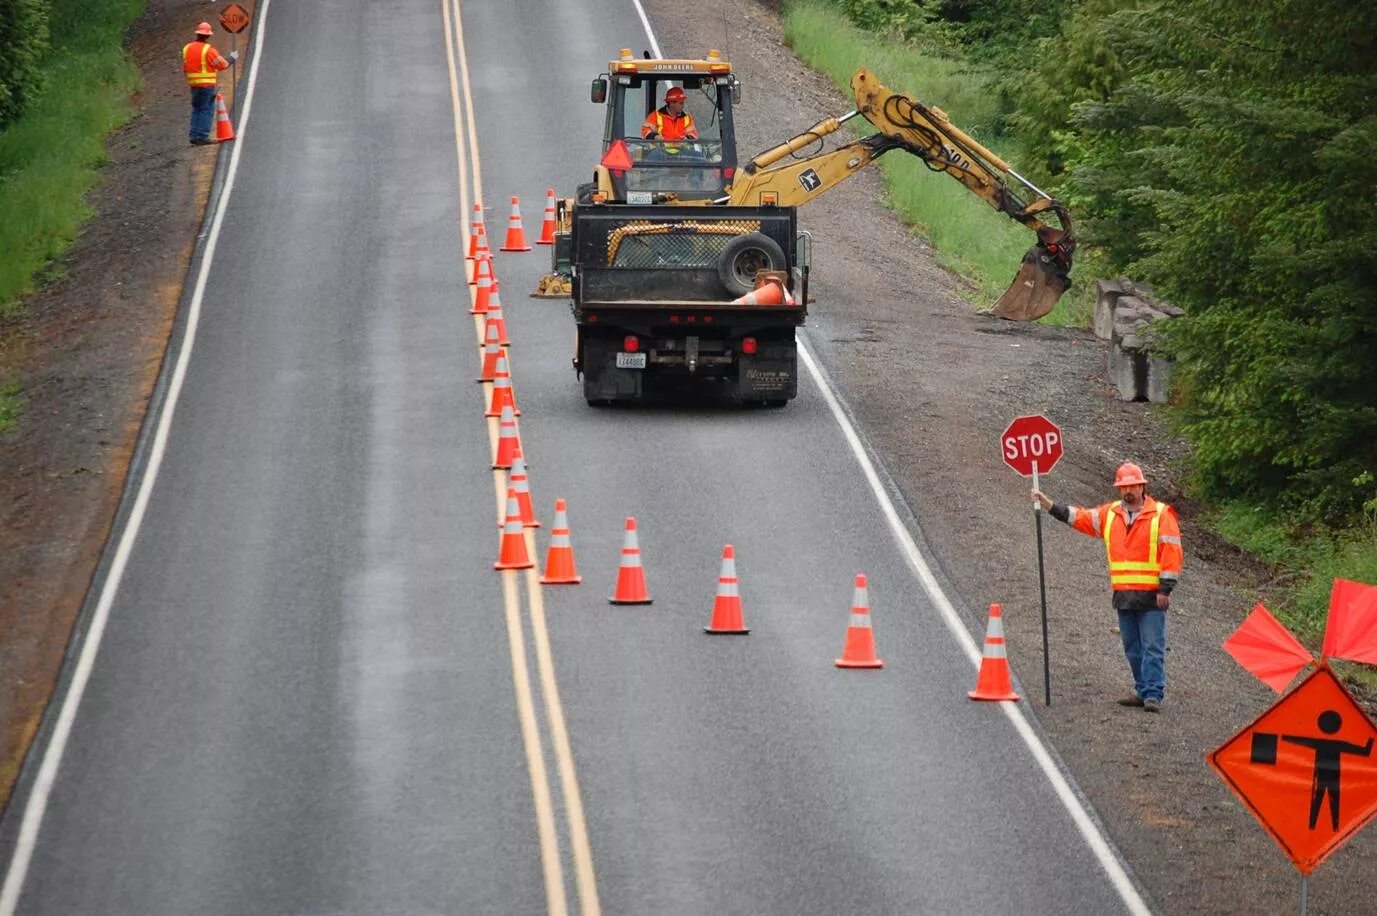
(11, 405)
(51, 157)
(969, 237)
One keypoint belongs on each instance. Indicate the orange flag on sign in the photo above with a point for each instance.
(1351, 632)
(1267, 649)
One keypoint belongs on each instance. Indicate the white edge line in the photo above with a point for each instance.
(37, 802)
(1079, 816)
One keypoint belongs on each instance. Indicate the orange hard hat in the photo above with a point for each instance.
(1129, 475)
(203, 29)
(675, 94)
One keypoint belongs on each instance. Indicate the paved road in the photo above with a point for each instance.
(306, 698)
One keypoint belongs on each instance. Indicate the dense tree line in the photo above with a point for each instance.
(1222, 151)
(23, 43)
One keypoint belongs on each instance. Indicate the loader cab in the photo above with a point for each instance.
(644, 171)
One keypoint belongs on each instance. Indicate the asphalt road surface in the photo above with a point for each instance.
(309, 691)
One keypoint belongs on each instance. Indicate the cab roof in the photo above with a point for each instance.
(628, 63)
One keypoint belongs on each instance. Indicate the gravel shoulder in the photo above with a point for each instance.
(931, 384)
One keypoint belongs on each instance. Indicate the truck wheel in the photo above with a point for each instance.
(743, 256)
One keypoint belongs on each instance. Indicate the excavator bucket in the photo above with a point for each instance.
(1039, 284)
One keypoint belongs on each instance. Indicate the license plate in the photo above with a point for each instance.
(640, 198)
(630, 360)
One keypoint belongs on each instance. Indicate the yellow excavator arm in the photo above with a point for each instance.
(779, 176)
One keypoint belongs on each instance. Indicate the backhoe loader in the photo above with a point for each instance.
(661, 253)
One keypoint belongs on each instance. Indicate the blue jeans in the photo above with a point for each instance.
(202, 112)
(1145, 646)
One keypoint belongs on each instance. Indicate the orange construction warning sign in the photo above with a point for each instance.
(1307, 769)
(234, 19)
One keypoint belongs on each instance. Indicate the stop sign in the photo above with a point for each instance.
(1031, 440)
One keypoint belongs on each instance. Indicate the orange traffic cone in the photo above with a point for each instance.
(484, 283)
(630, 575)
(512, 552)
(516, 236)
(502, 394)
(859, 651)
(494, 314)
(559, 560)
(522, 485)
(547, 225)
(508, 441)
(482, 263)
(491, 351)
(726, 610)
(995, 681)
(224, 130)
(475, 230)
(770, 292)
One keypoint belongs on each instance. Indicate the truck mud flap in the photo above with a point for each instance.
(769, 376)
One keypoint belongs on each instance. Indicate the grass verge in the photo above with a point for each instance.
(50, 158)
(970, 239)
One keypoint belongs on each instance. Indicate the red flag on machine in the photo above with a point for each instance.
(1351, 632)
(1269, 652)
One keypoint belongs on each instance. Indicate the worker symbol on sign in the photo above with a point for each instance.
(1327, 754)
(810, 180)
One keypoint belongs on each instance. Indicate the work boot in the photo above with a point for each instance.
(202, 141)
(1130, 701)
(1152, 705)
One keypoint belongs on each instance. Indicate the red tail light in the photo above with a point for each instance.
(728, 172)
(631, 344)
(748, 346)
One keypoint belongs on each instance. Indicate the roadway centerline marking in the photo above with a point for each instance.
(37, 803)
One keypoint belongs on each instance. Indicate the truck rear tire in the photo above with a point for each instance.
(743, 256)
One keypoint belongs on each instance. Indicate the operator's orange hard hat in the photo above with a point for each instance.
(203, 29)
(675, 94)
(1129, 475)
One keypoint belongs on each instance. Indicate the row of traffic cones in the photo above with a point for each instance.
(516, 233)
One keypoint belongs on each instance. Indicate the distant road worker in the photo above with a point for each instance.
(670, 121)
(1143, 542)
(200, 63)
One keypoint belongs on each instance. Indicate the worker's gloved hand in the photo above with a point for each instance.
(651, 136)
(233, 56)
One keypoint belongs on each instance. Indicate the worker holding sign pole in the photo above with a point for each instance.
(1143, 543)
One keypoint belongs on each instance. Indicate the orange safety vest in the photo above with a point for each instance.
(200, 62)
(1139, 556)
(680, 128)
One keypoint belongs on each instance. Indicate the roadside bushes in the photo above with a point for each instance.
(23, 43)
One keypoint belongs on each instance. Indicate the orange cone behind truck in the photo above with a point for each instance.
(559, 560)
(630, 574)
(516, 236)
(547, 225)
(859, 651)
(727, 617)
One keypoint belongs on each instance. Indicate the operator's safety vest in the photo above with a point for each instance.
(1141, 555)
(667, 128)
(199, 63)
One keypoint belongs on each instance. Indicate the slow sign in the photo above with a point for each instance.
(234, 19)
(1031, 441)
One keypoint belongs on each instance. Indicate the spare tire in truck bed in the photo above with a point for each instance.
(743, 256)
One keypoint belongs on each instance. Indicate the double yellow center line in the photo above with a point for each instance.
(547, 828)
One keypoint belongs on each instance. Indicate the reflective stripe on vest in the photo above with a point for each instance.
(198, 73)
(687, 120)
(1126, 574)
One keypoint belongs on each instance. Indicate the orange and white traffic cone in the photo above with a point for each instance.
(224, 130)
(475, 230)
(547, 225)
(859, 651)
(512, 550)
(559, 559)
(494, 314)
(508, 442)
(491, 351)
(522, 485)
(995, 681)
(726, 609)
(516, 236)
(502, 394)
(482, 263)
(484, 284)
(630, 574)
(770, 292)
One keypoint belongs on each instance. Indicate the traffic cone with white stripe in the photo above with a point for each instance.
(512, 551)
(502, 394)
(995, 681)
(486, 279)
(508, 441)
(492, 350)
(522, 485)
(726, 609)
(559, 559)
(630, 575)
(516, 236)
(224, 130)
(547, 225)
(770, 292)
(475, 230)
(859, 651)
(494, 316)
(482, 263)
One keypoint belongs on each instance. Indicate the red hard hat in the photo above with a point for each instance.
(1129, 475)
(675, 94)
(203, 29)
